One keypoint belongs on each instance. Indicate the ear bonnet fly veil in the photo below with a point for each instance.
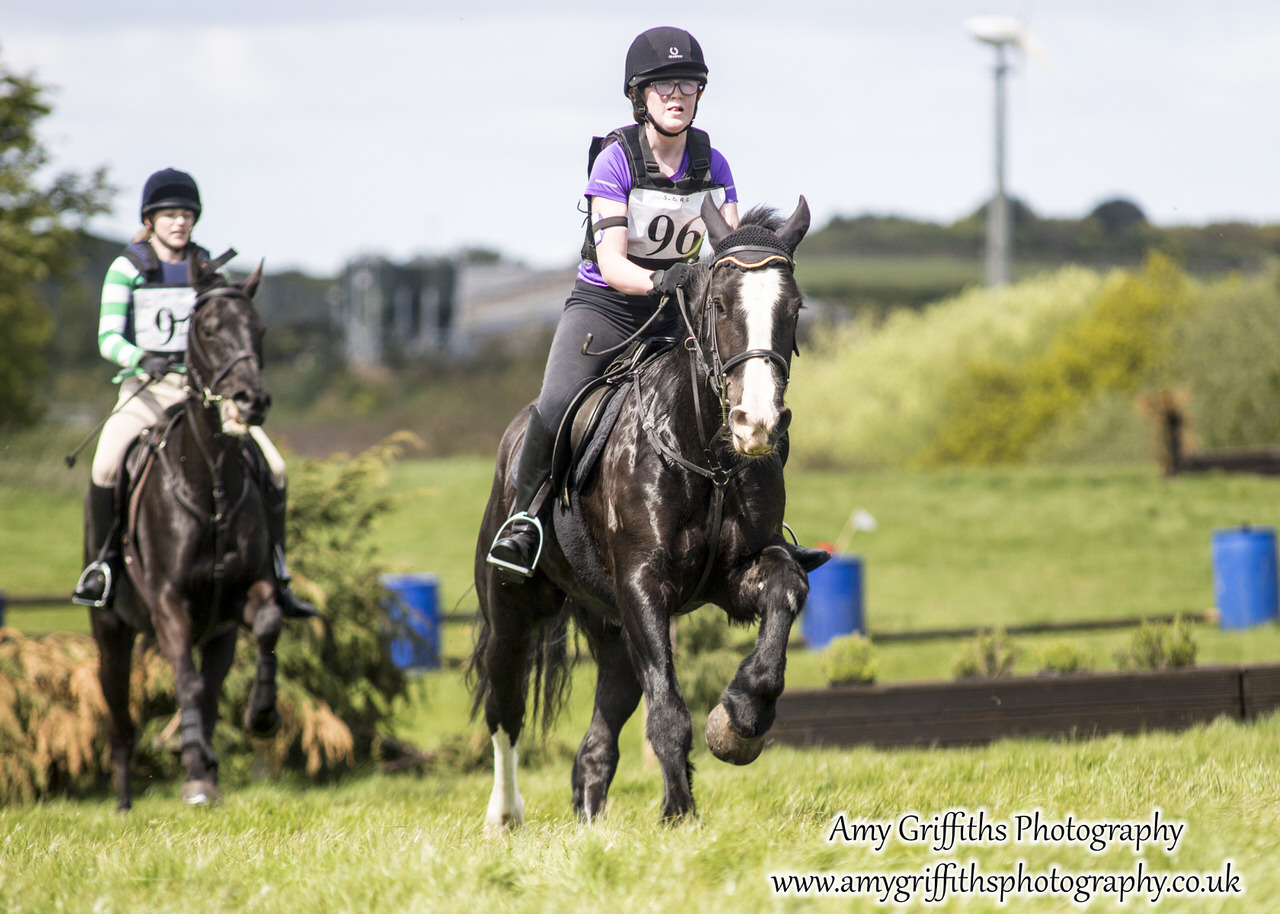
(751, 246)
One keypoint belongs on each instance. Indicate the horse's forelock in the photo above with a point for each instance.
(763, 216)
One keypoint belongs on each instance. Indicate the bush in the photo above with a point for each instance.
(1159, 646)
(707, 656)
(1063, 657)
(1225, 353)
(868, 395)
(850, 658)
(999, 408)
(991, 655)
(704, 676)
(702, 631)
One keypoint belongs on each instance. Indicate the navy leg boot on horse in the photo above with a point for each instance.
(95, 585)
(518, 545)
(292, 606)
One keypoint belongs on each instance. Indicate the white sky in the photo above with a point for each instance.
(319, 130)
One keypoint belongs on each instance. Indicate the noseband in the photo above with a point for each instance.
(207, 389)
(747, 257)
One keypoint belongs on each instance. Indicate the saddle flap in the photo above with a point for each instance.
(586, 418)
(582, 434)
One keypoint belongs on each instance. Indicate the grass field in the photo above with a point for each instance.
(951, 548)
(399, 844)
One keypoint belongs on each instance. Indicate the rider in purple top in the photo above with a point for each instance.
(611, 180)
(646, 188)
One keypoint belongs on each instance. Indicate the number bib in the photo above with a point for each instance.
(664, 226)
(161, 316)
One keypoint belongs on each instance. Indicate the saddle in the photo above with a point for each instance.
(139, 460)
(585, 429)
(142, 451)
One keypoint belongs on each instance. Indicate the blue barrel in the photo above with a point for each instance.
(1244, 576)
(413, 609)
(834, 606)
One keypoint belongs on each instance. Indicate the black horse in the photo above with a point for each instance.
(196, 546)
(684, 507)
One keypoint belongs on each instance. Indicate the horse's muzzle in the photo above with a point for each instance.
(243, 411)
(757, 437)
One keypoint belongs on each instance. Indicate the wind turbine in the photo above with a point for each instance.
(1000, 32)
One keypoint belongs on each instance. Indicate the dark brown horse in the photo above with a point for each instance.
(684, 508)
(196, 547)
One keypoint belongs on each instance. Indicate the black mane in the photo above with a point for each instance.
(763, 216)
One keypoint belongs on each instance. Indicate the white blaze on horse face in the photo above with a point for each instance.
(506, 806)
(754, 418)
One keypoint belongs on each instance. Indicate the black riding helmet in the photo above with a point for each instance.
(170, 189)
(661, 53)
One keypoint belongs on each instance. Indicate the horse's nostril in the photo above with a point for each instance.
(251, 406)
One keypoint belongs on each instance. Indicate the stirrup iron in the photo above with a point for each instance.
(107, 581)
(537, 553)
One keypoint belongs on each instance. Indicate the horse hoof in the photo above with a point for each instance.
(200, 793)
(262, 725)
(727, 745)
(496, 825)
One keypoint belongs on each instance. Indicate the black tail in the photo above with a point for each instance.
(550, 663)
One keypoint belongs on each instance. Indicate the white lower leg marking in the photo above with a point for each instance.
(506, 806)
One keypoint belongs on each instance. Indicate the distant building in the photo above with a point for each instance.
(507, 301)
(387, 313)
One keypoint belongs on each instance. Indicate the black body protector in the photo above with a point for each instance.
(161, 312)
(663, 220)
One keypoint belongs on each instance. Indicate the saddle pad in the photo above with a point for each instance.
(588, 454)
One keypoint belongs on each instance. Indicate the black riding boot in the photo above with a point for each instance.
(519, 544)
(96, 584)
(292, 606)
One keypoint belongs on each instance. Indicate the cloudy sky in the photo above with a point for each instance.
(320, 130)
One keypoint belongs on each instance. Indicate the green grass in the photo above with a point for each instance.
(400, 844)
(951, 549)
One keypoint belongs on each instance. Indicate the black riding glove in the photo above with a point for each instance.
(156, 364)
(665, 282)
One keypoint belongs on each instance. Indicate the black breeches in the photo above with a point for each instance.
(609, 324)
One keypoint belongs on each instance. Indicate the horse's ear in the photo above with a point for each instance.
(195, 270)
(791, 233)
(250, 285)
(717, 228)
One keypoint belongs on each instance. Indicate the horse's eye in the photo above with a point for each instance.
(720, 305)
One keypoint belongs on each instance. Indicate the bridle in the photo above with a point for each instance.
(746, 257)
(206, 390)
